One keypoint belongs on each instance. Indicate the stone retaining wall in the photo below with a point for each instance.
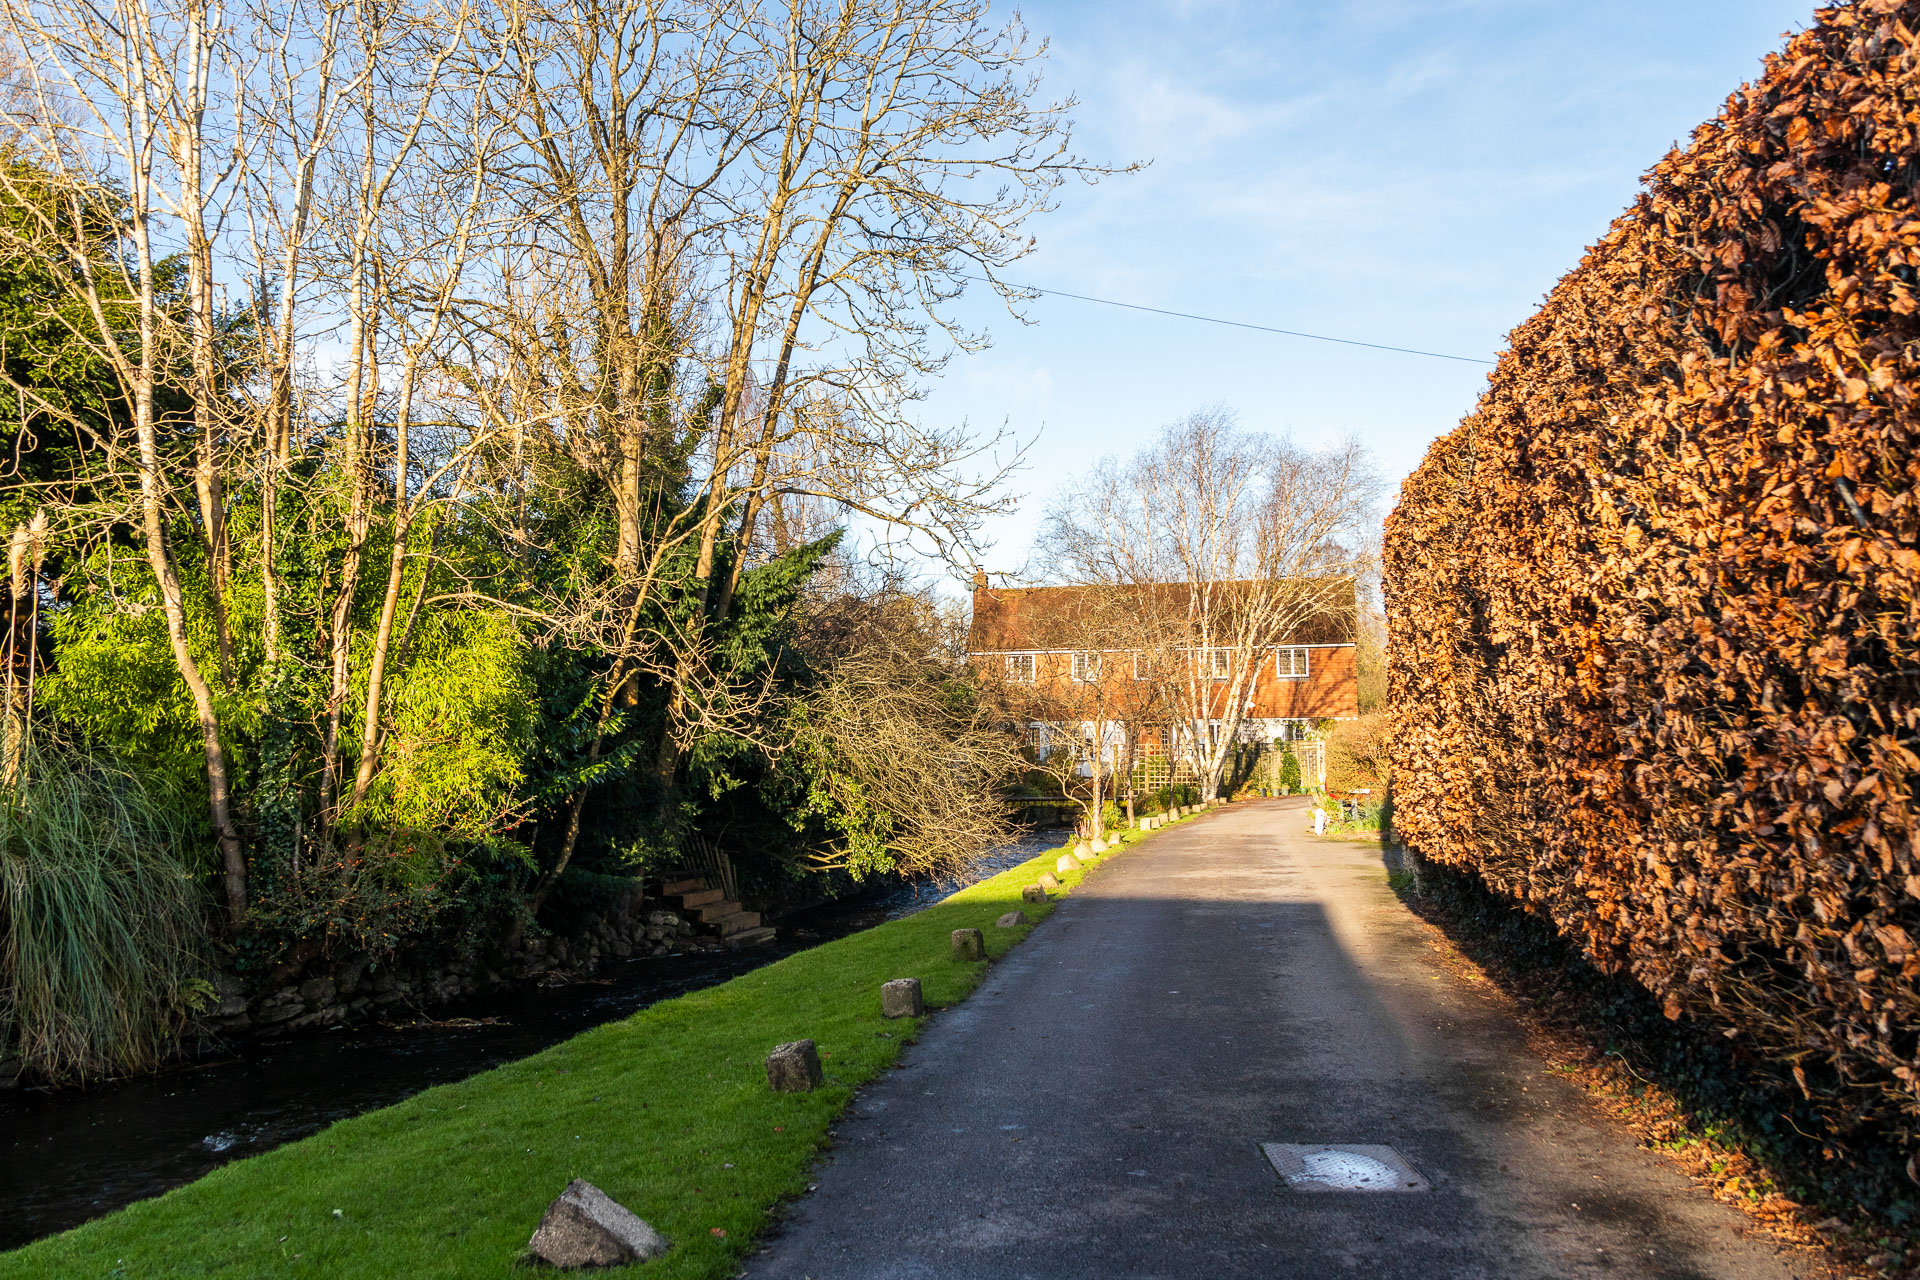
(357, 989)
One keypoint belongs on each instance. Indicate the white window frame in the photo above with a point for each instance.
(1021, 668)
(1290, 662)
(1219, 664)
(1142, 666)
(1086, 666)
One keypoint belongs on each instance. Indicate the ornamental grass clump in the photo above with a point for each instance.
(100, 921)
(1655, 646)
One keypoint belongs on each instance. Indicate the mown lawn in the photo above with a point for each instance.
(667, 1111)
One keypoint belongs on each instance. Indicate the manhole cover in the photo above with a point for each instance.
(1343, 1166)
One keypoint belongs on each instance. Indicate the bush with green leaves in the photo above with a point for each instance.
(103, 925)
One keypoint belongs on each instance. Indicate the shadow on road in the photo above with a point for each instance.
(1096, 1109)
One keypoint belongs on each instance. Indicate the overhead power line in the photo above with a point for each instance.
(1242, 324)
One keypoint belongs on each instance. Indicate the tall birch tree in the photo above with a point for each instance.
(1241, 541)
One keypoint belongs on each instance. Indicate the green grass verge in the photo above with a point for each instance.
(667, 1111)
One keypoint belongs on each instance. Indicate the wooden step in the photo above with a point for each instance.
(739, 922)
(751, 937)
(708, 912)
(688, 901)
(674, 888)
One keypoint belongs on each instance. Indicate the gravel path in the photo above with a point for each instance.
(1096, 1109)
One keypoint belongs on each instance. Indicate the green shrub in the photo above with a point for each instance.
(1367, 817)
(100, 921)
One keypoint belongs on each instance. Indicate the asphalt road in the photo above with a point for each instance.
(1096, 1108)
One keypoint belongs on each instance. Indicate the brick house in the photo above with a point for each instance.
(1027, 633)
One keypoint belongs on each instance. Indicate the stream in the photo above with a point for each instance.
(70, 1155)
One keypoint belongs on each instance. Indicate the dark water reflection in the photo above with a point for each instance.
(69, 1156)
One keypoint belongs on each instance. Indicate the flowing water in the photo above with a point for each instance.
(70, 1155)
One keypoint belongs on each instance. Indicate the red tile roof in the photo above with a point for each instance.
(1042, 618)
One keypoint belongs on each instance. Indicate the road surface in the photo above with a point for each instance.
(1097, 1107)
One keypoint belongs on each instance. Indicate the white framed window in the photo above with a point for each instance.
(1020, 668)
(1291, 663)
(1086, 667)
(1217, 663)
(1142, 666)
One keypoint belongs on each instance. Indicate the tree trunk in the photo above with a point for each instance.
(207, 483)
(340, 633)
(377, 665)
(1098, 769)
(160, 558)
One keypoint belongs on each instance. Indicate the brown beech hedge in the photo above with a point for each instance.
(1655, 658)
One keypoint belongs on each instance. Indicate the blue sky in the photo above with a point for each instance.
(1411, 172)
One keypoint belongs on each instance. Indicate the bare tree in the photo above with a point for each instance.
(1242, 541)
(182, 137)
(419, 294)
(911, 759)
(704, 254)
(898, 150)
(409, 102)
(123, 92)
(621, 117)
(304, 82)
(743, 225)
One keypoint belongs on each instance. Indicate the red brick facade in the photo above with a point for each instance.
(1314, 678)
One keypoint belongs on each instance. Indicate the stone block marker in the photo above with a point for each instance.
(1033, 893)
(969, 944)
(1066, 862)
(794, 1067)
(1047, 883)
(1098, 846)
(901, 999)
(586, 1227)
(1081, 849)
(1014, 919)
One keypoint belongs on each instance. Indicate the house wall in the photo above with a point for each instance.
(1330, 690)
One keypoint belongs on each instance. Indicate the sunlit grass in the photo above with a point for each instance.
(667, 1111)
